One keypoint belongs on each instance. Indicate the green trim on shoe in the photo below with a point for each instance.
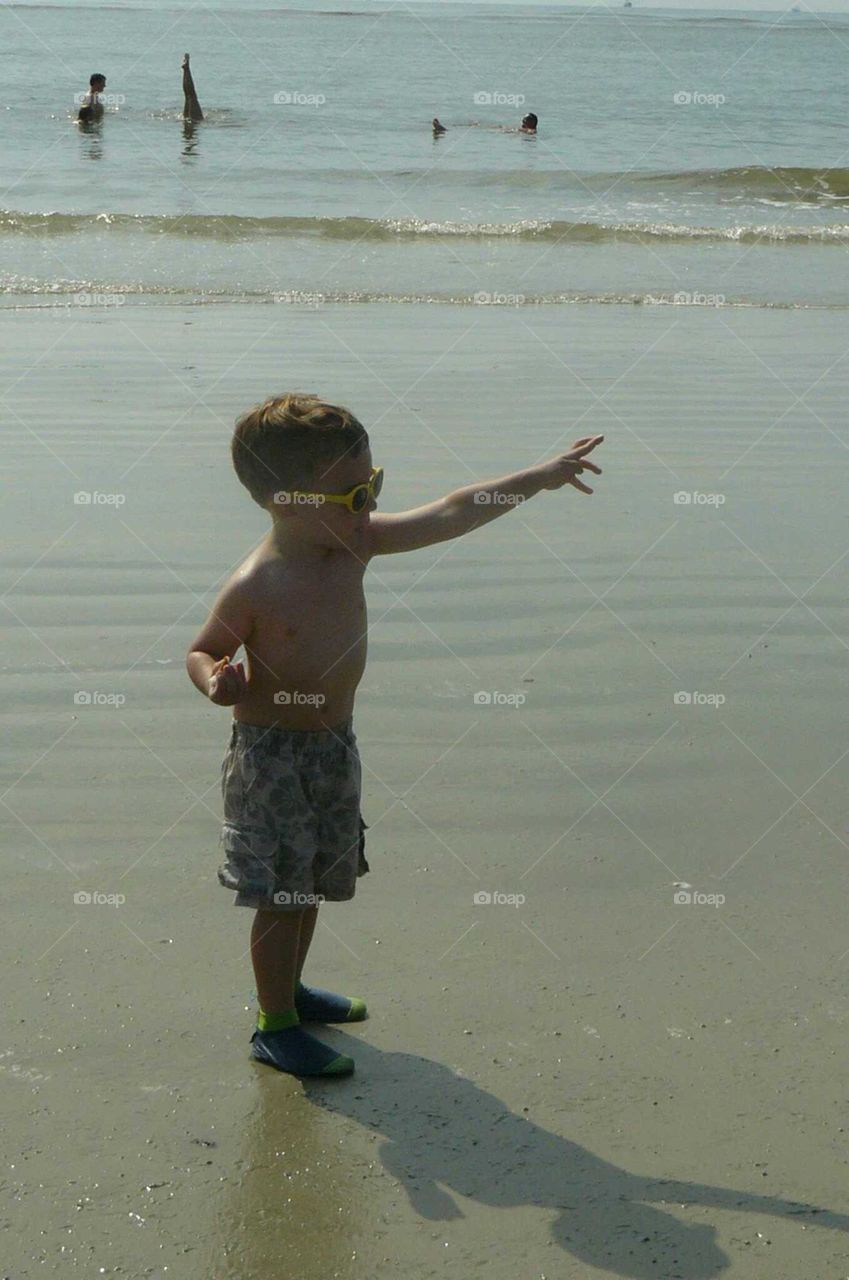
(341, 1066)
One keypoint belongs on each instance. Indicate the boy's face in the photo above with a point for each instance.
(331, 524)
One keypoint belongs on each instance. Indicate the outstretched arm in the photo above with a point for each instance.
(477, 504)
(191, 106)
(668, 1191)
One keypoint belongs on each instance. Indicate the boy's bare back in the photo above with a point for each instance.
(306, 647)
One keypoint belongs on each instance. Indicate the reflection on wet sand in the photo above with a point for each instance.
(296, 1203)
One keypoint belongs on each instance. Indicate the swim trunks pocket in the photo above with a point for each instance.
(239, 774)
(248, 861)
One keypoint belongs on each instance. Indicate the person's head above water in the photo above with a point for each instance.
(92, 107)
(529, 123)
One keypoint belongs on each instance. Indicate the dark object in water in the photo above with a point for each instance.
(191, 106)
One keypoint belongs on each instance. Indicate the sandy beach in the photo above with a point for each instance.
(581, 1077)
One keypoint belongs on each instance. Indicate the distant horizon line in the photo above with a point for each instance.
(349, 6)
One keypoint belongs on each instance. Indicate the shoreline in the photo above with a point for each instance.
(143, 297)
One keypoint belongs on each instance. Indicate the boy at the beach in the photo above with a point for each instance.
(293, 834)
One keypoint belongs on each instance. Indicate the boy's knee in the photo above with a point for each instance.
(269, 916)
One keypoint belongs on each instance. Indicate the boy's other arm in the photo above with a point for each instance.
(477, 504)
(208, 660)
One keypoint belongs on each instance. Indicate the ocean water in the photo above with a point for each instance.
(690, 157)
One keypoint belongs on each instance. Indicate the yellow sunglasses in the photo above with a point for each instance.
(356, 499)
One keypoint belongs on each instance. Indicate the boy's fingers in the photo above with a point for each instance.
(233, 680)
(586, 444)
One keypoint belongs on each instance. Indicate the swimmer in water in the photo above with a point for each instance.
(528, 125)
(91, 107)
(191, 106)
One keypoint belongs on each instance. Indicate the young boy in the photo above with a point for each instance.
(292, 834)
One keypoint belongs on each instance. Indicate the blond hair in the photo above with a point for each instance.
(289, 440)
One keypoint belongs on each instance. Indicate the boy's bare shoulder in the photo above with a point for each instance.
(266, 578)
(233, 616)
(261, 569)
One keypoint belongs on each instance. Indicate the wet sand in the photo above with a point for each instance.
(596, 1081)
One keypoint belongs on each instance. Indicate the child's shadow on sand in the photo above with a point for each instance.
(443, 1129)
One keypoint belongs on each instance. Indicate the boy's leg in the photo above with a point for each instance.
(275, 937)
(309, 917)
(279, 1041)
(336, 787)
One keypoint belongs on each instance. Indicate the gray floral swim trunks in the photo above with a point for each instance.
(292, 834)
